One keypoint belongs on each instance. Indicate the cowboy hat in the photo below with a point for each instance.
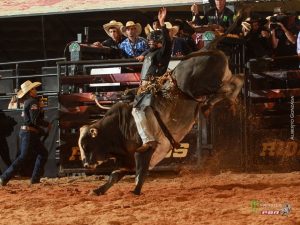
(131, 24)
(148, 29)
(173, 29)
(246, 26)
(112, 24)
(26, 87)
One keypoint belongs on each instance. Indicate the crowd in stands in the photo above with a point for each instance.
(271, 36)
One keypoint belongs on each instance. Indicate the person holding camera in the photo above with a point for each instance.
(283, 34)
(257, 38)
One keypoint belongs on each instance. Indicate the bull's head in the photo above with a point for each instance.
(88, 143)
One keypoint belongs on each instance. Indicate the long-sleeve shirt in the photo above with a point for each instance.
(116, 52)
(133, 49)
(156, 62)
(224, 19)
(33, 114)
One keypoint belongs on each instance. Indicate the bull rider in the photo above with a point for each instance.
(155, 64)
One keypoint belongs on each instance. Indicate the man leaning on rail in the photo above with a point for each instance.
(30, 135)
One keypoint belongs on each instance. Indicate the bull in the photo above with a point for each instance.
(201, 79)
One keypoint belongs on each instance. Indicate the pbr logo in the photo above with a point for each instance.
(270, 208)
(280, 148)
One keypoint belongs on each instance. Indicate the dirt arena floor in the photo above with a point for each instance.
(184, 199)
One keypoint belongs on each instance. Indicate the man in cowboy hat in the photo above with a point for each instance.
(134, 45)
(155, 65)
(155, 26)
(112, 29)
(30, 134)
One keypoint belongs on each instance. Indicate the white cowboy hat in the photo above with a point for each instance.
(131, 24)
(27, 86)
(246, 26)
(148, 29)
(173, 29)
(111, 24)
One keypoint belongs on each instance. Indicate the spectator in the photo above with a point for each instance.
(283, 34)
(257, 38)
(133, 46)
(185, 32)
(155, 26)
(219, 17)
(179, 45)
(112, 29)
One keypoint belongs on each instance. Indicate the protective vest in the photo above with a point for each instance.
(156, 61)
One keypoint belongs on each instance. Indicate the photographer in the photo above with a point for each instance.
(257, 38)
(283, 34)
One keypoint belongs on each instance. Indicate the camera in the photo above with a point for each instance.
(278, 18)
(274, 25)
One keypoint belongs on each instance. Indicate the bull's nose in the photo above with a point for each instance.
(86, 165)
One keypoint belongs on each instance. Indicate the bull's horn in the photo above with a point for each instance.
(101, 106)
(99, 162)
(93, 132)
(83, 131)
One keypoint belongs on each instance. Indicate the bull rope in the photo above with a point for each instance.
(158, 85)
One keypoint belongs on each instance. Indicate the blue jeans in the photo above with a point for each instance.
(142, 124)
(30, 146)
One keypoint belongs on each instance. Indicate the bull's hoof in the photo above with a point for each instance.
(96, 192)
(136, 192)
(147, 146)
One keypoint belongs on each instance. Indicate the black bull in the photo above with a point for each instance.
(115, 135)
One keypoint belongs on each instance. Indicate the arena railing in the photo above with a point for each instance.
(14, 71)
(263, 76)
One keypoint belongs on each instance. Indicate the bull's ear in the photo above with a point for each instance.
(93, 132)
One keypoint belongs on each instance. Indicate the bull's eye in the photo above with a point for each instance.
(93, 132)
